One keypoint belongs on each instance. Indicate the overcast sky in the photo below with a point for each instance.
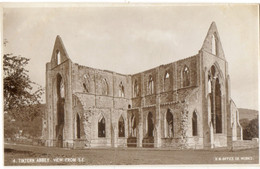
(129, 39)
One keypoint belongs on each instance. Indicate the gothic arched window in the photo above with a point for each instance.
(194, 124)
(166, 81)
(121, 90)
(78, 126)
(218, 107)
(169, 124)
(86, 83)
(104, 87)
(133, 125)
(60, 87)
(58, 58)
(214, 44)
(150, 125)
(150, 85)
(136, 89)
(121, 127)
(102, 127)
(185, 76)
(60, 103)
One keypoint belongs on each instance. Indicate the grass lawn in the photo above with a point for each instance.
(36, 155)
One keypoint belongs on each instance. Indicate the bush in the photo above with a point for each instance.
(251, 130)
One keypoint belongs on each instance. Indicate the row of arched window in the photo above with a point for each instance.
(169, 125)
(185, 82)
(102, 127)
(104, 87)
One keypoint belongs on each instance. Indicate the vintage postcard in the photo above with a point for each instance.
(130, 84)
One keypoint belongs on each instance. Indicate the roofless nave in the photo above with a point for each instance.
(184, 104)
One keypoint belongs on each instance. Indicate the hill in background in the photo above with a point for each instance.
(247, 114)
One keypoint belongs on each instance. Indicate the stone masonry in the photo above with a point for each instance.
(184, 104)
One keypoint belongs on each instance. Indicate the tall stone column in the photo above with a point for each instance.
(48, 97)
(184, 127)
(157, 139)
(140, 114)
(140, 128)
(114, 128)
(214, 105)
(68, 125)
(212, 141)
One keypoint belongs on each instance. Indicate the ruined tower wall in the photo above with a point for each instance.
(212, 55)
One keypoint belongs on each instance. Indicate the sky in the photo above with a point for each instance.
(132, 38)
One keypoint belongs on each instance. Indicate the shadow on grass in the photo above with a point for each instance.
(9, 150)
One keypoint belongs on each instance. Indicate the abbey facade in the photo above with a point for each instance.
(184, 104)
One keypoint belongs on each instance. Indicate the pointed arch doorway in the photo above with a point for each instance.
(148, 141)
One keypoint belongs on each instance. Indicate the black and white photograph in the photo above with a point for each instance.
(130, 84)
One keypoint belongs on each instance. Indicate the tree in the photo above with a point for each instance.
(244, 123)
(20, 99)
(251, 130)
(9, 128)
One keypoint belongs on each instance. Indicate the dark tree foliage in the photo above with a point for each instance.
(9, 128)
(251, 130)
(244, 123)
(20, 99)
(30, 129)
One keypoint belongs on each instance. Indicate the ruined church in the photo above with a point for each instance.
(181, 105)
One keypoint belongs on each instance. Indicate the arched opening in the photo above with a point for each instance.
(104, 87)
(121, 90)
(85, 88)
(150, 124)
(58, 58)
(60, 87)
(129, 106)
(86, 83)
(60, 110)
(136, 89)
(150, 85)
(121, 127)
(102, 127)
(60, 116)
(78, 126)
(185, 77)
(213, 71)
(166, 86)
(133, 125)
(194, 124)
(218, 107)
(167, 75)
(169, 126)
(212, 87)
(214, 44)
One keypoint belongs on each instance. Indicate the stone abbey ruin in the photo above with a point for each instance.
(184, 104)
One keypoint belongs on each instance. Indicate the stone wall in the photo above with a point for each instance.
(237, 130)
(180, 88)
(245, 144)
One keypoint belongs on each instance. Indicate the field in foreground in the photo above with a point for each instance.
(35, 155)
